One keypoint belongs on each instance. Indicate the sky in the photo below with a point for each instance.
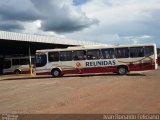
(102, 21)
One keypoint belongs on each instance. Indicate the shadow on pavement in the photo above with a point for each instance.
(81, 75)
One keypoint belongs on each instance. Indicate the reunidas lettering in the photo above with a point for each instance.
(100, 63)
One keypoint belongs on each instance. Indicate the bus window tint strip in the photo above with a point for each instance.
(7, 64)
(93, 54)
(15, 61)
(136, 52)
(24, 61)
(149, 50)
(53, 56)
(79, 55)
(121, 52)
(66, 56)
(107, 53)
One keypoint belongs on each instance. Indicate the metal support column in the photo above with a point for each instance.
(30, 63)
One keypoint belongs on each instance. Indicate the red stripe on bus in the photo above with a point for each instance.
(91, 70)
(21, 72)
(131, 67)
(141, 67)
(7, 73)
(44, 73)
(25, 72)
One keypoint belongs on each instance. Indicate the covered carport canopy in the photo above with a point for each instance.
(20, 44)
(10, 47)
(12, 43)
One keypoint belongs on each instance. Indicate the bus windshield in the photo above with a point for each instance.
(41, 60)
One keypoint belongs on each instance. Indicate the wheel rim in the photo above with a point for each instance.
(17, 72)
(122, 71)
(56, 73)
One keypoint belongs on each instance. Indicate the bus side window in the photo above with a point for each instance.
(24, 61)
(93, 54)
(148, 50)
(79, 55)
(136, 52)
(15, 61)
(66, 56)
(7, 64)
(53, 56)
(107, 53)
(121, 52)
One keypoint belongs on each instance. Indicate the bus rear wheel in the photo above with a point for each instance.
(122, 70)
(56, 73)
(17, 72)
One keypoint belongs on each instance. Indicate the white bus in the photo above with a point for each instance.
(17, 65)
(96, 59)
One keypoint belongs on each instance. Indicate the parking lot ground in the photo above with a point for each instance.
(101, 93)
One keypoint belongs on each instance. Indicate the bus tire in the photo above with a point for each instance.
(122, 70)
(17, 72)
(56, 72)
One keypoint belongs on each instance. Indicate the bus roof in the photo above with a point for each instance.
(95, 47)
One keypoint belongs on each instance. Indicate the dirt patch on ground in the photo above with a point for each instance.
(105, 93)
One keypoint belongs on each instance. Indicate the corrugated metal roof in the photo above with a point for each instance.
(41, 38)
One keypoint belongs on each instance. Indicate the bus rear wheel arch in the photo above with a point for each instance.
(17, 72)
(122, 70)
(56, 72)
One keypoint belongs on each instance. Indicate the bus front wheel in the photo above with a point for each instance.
(122, 70)
(56, 73)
